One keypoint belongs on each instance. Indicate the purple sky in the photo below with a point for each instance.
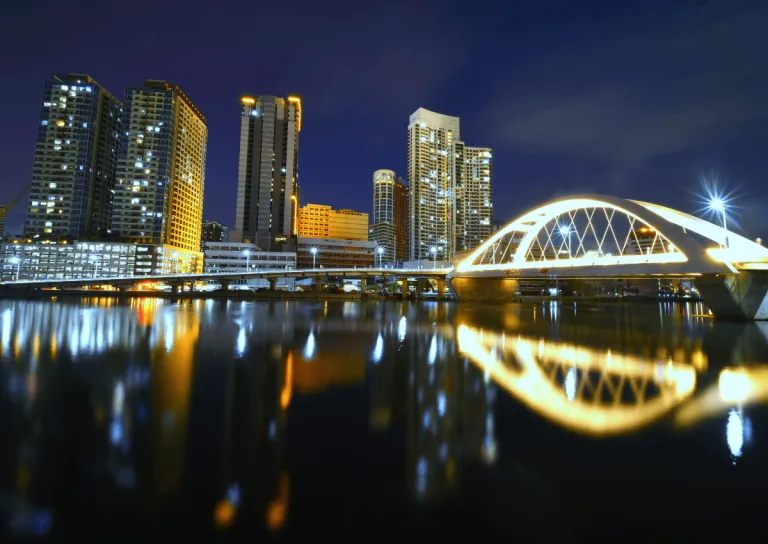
(634, 99)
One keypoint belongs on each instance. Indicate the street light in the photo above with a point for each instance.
(313, 251)
(17, 262)
(717, 204)
(94, 260)
(380, 251)
(433, 251)
(247, 254)
(565, 230)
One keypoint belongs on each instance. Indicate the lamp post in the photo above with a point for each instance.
(247, 254)
(433, 251)
(718, 205)
(16, 261)
(565, 230)
(313, 251)
(380, 251)
(94, 260)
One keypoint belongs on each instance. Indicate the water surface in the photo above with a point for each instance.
(293, 420)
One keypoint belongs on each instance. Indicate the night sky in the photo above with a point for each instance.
(637, 99)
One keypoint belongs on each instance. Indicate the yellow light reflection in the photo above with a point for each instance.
(529, 378)
(287, 391)
(277, 510)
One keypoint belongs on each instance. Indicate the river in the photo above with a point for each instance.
(147, 418)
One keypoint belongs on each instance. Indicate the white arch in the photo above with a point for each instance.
(670, 224)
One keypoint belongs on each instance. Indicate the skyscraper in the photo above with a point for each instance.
(75, 159)
(267, 177)
(390, 215)
(2, 220)
(319, 221)
(161, 168)
(430, 137)
(472, 203)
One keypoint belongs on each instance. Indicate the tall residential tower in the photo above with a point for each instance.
(267, 177)
(390, 215)
(472, 203)
(430, 137)
(161, 168)
(75, 159)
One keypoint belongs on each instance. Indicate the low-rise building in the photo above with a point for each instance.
(40, 260)
(228, 257)
(334, 253)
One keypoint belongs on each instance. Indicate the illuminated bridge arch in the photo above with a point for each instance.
(579, 233)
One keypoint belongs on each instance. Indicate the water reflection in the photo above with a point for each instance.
(142, 407)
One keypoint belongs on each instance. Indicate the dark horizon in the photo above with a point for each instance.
(637, 101)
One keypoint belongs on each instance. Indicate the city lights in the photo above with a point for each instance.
(313, 251)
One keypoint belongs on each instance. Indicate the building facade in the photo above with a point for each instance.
(267, 178)
(2, 221)
(472, 202)
(333, 253)
(390, 216)
(64, 260)
(430, 139)
(75, 159)
(223, 257)
(161, 168)
(213, 231)
(318, 221)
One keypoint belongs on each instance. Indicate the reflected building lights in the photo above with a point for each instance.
(734, 433)
(309, 347)
(401, 328)
(378, 350)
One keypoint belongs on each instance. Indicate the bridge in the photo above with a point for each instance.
(602, 237)
(177, 281)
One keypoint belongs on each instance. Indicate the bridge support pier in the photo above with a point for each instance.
(224, 285)
(743, 297)
(440, 289)
(175, 288)
(317, 284)
(363, 285)
(470, 289)
(405, 290)
(272, 284)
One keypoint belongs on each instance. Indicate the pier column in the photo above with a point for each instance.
(272, 284)
(440, 289)
(317, 284)
(175, 288)
(363, 285)
(224, 285)
(404, 289)
(741, 297)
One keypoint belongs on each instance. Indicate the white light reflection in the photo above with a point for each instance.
(421, 476)
(309, 348)
(570, 384)
(240, 346)
(5, 331)
(401, 329)
(378, 350)
(432, 351)
(734, 433)
(441, 403)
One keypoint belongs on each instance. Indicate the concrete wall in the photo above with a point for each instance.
(483, 289)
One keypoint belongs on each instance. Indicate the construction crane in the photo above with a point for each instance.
(5, 208)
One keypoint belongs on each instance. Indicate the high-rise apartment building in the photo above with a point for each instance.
(318, 221)
(430, 139)
(213, 231)
(75, 159)
(161, 168)
(2, 221)
(390, 215)
(267, 177)
(472, 202)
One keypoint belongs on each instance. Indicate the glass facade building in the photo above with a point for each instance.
(75, 159)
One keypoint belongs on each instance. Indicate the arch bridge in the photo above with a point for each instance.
(597, 236)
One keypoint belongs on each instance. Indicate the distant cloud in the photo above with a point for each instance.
(628, 95)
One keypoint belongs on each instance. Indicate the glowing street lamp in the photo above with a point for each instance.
(433, 251)
(16, 261)
(247, 254)
(718, 205)
(94, 260)
(313, 251)
(565, 231)
(380, 251)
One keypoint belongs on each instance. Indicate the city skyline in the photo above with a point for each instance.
(604, 142)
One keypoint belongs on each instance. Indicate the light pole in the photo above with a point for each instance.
(380, 251)
(718, 205)
(247, 254)
(94, 260)
(313, 251)
(175, 257)
(433, 251)
(16, 261)
(565, 230)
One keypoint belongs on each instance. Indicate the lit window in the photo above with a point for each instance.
(65, 87)
(44, 123)
(134, 201)
(52, 185)
(85, 125)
